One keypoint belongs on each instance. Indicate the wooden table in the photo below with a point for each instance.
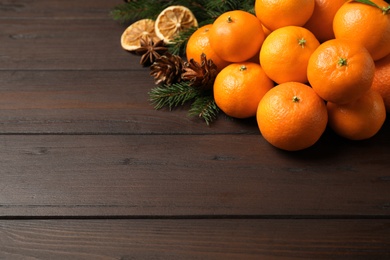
(89, 170)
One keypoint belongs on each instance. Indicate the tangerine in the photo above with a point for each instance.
(236, 36)
(275, 14)
(291, 116)
(321, 22)
(381, 81)
(366, 25)
(285, 54)
(266, 30)
(199, 43)
(239, 87)
(340, 71)
(360, 119)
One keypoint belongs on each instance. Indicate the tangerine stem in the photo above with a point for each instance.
(342, 62)
(296, 99)
(242, 68)
(229, 19)
(386, 10)
(302, 42)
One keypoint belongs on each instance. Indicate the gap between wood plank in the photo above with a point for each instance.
(205, 217)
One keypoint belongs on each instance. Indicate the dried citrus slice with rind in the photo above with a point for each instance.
(131, 37)
(173, 20)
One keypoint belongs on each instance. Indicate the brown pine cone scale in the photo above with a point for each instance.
(167, 69)
(201, 75)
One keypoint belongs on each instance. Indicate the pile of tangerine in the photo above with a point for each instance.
(329, 65)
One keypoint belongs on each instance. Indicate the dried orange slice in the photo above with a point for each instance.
(172, 20)
(130, 39)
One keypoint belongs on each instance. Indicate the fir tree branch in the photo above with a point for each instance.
(180, 42)
(249, 6)
(221, 6)
(205, 108)
(217, 7)
(135, 10)
(196, 6)
(173, 95)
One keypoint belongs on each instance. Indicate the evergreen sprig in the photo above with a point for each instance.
(180, 42)
(135, 10)
(172, 95)
(205, 11)
(217, 7)
(177, 94)
(205, 108)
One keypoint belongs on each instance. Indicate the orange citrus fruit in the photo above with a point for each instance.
(239, 87)
(172, 20)
(291, 116)
(285, 54)
(366, 25)
(266, 30)
(340, 71)
(381, 81)
(199, 43)
(321, 22)
(360, 119)
(275, 14)
(236, 36)
(256, 58)
(131, 37)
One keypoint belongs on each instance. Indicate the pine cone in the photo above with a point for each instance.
(201, 75)
(167, 69)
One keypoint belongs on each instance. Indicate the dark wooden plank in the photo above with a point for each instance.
(43, 9)
(95, 102)
(195, 239)
(62, 44)
(191, 175)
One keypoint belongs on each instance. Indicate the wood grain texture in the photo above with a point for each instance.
(50, 35)
(60, 44)
(95, 102)
(189, 175)
(49, 9)
(195, 239)
(89, 170)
